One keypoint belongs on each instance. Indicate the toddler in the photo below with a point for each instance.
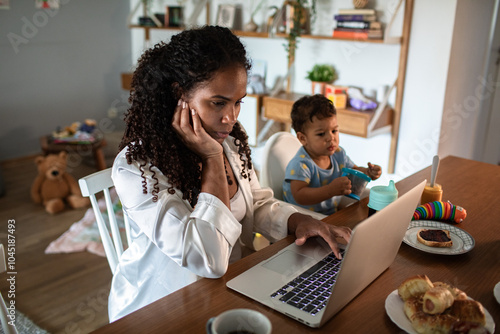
(313, 177)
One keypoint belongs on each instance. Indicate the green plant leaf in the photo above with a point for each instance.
(322, 73)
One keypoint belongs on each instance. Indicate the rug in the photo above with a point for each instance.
(25, 326)
(84, 234)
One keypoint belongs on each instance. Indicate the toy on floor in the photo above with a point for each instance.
(438, 210)
(53, 186)
(76, 132)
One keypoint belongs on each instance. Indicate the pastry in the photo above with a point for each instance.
(467, 327)
(435, 238)
(414, 286)
(413, 306)
(440, 308)
(437, 299)
(457, 293)
(433, 324)
(468, 310)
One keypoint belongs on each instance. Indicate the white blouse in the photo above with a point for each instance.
(174, 244)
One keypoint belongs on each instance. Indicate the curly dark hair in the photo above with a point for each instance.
(164, 72)
(305, 108)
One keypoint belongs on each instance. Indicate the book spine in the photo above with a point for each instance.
(357, 12)
(354, 17)
(352, 34)
(351, 30)
(353, 24)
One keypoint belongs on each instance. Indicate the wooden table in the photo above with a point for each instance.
(470, 184)
(95, 148)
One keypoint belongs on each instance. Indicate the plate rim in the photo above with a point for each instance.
(394, 294)
(496, 292)
(443, 225)
(408, 329)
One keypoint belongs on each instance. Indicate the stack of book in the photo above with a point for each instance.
(358, 24)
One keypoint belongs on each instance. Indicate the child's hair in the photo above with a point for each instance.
(305, 108)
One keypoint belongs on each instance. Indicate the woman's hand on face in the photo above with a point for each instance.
(194, 135)
(306, 226)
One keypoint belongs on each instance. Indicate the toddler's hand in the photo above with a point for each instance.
(341, 186)
(374, 171)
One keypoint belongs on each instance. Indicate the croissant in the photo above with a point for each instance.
(414, 286)
(468, 310)
(437, 308)
(433, 324)
(437, 299)
(412, 306)
(463, 327)
(457, 293)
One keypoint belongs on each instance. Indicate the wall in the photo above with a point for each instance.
(443, 93)
(447, 48)
(488, 141)
(464, 119)
(58, 67)
(425, 86)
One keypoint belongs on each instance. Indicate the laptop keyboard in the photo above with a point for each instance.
(311, 289)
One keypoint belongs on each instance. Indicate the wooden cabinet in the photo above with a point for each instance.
(278, 107)
(353, 122)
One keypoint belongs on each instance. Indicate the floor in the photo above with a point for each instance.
(61, 293)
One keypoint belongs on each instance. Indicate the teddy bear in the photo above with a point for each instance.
(53, 187)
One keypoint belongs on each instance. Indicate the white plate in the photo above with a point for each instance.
(462, 241)
(496, 292)
(394, 308)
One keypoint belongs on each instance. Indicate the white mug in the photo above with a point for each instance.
(239, 321)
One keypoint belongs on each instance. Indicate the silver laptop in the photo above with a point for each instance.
(281, 282)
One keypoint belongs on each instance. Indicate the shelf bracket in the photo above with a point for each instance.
(280, 82)
(193, 19)
(392, 39)
(380, 109)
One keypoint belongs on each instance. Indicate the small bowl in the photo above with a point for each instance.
(359, 181)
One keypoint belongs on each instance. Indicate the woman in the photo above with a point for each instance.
(184, 174)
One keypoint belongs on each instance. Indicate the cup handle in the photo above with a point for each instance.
(209, 325)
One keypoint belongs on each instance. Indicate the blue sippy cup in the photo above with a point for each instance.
(381, 196)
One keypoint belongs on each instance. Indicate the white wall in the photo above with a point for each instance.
(448, 46)
(468, 85)
(425, 85)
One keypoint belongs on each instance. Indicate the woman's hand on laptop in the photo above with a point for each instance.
(305, 226)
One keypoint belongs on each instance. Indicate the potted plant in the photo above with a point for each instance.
(322, 74)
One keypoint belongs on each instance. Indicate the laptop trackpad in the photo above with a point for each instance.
(288, 262)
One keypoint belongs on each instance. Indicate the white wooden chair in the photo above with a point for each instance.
(277, 153)
(7, 329)
(113, 245)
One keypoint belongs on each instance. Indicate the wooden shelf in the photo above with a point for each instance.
(352, 121)
(242, 33)
(357, 123)
(278, 107)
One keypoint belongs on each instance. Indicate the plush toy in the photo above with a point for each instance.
(53, 186)
(440, 211)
